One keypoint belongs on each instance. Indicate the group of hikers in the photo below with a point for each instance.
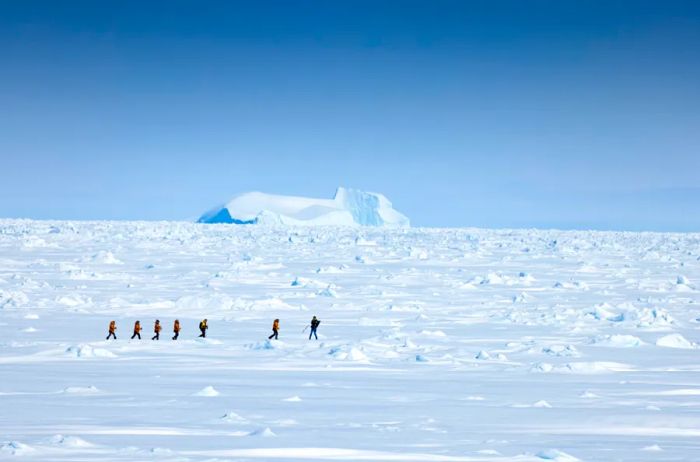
(157, 327)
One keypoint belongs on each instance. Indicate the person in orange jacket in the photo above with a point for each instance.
(137, 330)
(112, 330)
(176, 329)
(156, 328)
(275, 330)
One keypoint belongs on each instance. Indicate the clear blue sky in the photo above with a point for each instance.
(573, 114)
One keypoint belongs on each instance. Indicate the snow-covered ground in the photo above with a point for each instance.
(435, 345)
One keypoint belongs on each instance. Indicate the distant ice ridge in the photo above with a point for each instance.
(349, 207)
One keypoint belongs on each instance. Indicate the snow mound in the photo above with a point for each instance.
(349, 207)
(348, 353)
(617, 341)
(266, 345)
(81, 390)
(592, 367)
(15, 448)
(69, 441)
(105, 257)
(556, 455)
(675, 341)
(207, 392)
(232, 417)
(12, 299)
(73, 300)
(86, 351)
(264, 432)
(561, 350)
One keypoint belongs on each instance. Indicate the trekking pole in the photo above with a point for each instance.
(304, 329)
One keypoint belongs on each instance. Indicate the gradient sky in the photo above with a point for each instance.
(569, 114)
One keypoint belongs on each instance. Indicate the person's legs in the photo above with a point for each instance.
(176, 335)
(316, 336)
(135, 334)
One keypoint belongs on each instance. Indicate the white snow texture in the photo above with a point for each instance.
(451, 345)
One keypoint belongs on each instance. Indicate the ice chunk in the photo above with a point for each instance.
(81, 390)
(348, 353)
(232, 417)
(675, 341)
(349, 207)
(87, 351)
(542, 404)
(207, 392)
(12, 299)
(556, 455)
(69, 441)
(15, 448)
(263, 432)
(617, 341)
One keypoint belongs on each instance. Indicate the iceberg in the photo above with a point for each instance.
(349, 207)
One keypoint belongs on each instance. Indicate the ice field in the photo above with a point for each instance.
(435, 345)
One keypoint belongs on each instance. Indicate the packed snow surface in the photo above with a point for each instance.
(349, 207)
(434, 345)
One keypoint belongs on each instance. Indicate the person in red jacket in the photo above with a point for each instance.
(112, 330)
(275, 329)
(156, 328)
(176, 329)
(137, 330)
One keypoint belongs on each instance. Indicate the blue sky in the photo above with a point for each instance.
(560, 113)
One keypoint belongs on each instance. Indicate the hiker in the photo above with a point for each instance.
(275, 329)
(157, 328)
(314, 325)
(112, 329)
(203, 327)
(176, 329)
(137, 330)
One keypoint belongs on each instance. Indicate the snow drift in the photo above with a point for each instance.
(349, 207)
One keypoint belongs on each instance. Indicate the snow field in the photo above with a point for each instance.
(435, 345)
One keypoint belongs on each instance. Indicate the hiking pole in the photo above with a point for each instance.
(304, 329)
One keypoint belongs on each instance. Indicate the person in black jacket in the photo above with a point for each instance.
(203, 328)
(314, 325)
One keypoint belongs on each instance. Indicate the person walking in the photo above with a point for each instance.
(275, 330)
(137, 330)
(157, 328)
(314, 325)
(176, 329)
(112, 330)
(203, 328)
